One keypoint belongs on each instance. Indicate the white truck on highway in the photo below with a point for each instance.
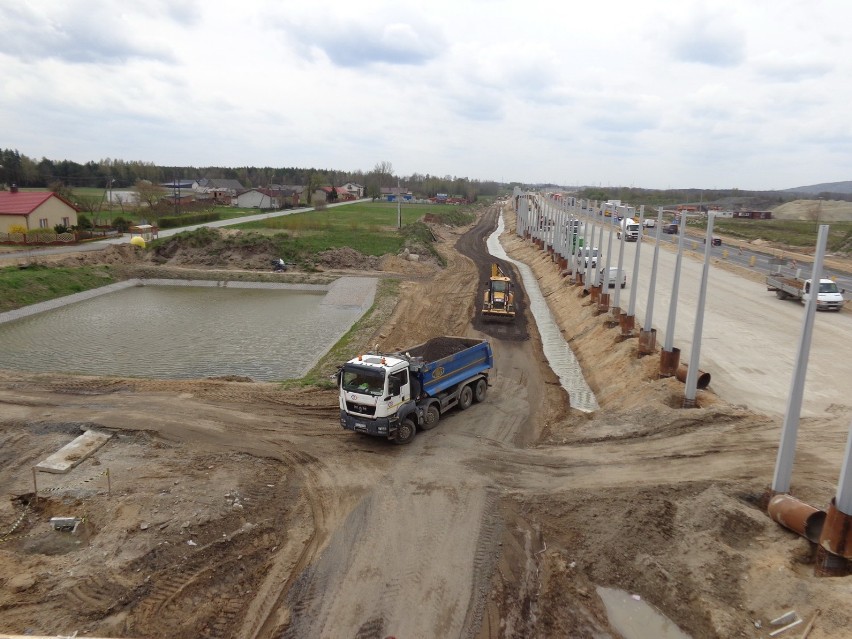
(630, 228)
(829, 297)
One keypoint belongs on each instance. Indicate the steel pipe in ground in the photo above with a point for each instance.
(603, 302)
(595, 292)
(798, 516)
(626, 322)
(669, 361)
(703, 378)
(647, 342)
(836, 535)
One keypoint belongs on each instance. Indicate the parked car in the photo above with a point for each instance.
(614, 277)
(649, 223)
(670, 229)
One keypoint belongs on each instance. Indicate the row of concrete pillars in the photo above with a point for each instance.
(670, 365)
(829, 530)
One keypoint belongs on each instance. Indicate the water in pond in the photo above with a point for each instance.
(179, 332)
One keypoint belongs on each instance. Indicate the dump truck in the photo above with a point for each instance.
(393, 395)
(499, 299)
(829, 297)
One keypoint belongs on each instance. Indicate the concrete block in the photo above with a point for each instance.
(74, 452)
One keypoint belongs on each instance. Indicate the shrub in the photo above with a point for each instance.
(120, 224)
(17, 228)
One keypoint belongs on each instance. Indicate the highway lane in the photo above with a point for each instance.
(750, 337)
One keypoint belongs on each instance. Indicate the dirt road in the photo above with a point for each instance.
(243, 510)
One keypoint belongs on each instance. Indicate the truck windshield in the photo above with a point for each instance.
(827, 287)
(366, 381)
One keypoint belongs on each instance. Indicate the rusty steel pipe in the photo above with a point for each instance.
(647, 342)
(836, 535)
(595, 292)
(669, 361)
(703, 378)
(626, 322)
(798, 516)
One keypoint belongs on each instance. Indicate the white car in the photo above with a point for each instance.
(614, 277)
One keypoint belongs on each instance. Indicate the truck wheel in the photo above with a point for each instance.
(431, 417)
(405, 431)
(465, 397)
(479, 390)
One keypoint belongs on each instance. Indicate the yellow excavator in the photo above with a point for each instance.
(499, 299)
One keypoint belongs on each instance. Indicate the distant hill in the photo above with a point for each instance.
(826, 187)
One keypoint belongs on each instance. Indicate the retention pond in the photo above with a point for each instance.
(185, 329)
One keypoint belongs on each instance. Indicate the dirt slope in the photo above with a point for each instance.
(243, 510)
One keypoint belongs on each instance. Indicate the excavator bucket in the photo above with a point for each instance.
(499, 298)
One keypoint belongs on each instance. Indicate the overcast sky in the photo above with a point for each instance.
(753, 94)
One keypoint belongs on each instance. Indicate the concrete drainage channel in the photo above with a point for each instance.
(559, 355)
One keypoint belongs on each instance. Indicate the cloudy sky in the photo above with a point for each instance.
(754, 94)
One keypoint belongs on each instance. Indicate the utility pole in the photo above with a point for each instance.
(398, 205)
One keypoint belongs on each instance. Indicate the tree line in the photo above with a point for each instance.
(27, 172)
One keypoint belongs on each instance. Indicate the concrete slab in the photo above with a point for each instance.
(74, 452)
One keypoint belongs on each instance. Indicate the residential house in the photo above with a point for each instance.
(220, 191)
(34, 210)
(300, 193)
(354, 189)
(323, 194)
(266, 199)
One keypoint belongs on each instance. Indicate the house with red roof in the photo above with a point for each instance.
(34, 210)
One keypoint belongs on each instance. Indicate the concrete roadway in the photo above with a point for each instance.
(750, 338)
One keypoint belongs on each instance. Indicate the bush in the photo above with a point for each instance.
(83, 222)
(120, 224)
(18, 228)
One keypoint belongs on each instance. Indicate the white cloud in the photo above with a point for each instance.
(614, 92)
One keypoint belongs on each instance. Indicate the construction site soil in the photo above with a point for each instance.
(242, 509)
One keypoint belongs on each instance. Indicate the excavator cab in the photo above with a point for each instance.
(499, 299)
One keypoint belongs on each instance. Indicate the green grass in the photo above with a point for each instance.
(24, 286)
(368, 227)
(793, 233)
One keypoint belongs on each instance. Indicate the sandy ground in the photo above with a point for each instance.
(239, 509)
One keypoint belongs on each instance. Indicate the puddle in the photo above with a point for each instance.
(636, 619)
(557, 351)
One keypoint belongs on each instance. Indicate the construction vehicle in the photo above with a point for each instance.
(394, 395)
(499, 299)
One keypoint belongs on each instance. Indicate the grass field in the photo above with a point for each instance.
(367, 227)
(793, 233)
(24, 286)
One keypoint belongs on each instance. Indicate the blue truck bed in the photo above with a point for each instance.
(443, 362)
